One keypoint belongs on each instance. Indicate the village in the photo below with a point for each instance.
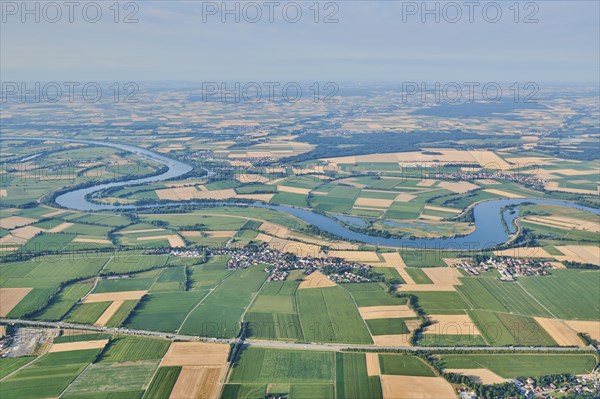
(525, 178)
(336, 269)
(508, 267)
(585, 386)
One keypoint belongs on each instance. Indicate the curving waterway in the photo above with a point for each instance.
(489, 229)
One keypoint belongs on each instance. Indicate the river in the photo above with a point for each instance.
(489, 230)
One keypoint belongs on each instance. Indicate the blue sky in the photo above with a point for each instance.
(371, 42)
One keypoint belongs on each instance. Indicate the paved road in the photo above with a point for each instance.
(287, 345)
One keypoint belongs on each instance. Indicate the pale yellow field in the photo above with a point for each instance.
(443, 275)
(393, 259)
(274, 229)
(351, 181)
(54, 213)
(10, 297)
(294, 247)
(108, 313)
(410, 387)
(386, 312)
(91, 240)
(566, 223)
(480, 376)
(591, 328)
(456, 324)
(198, 382)
(3, 193)
(15, 221)
(250, 178)
(392, 340)
(60, 227)
(115, 296)
(78, 346)
(404, 197)
(553, 186)
(220, 234)
(374, 202)
(9, 239)
(295, 190)
(357, 256)
(524, 252)
(175, 240)
(191, 193)
(439, 208)
(316, 280)
(560, 332)
(26, 232)
(430, 217)
(372, 364)
(426, 183)
(580, 253)
(141, 231)
(502, 193)
(196, 354)
(490, 160)
(458, 187)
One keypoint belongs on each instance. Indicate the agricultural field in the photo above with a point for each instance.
(133, 349)
(163, 294)
(514, 365)
(329, 315)
(49, 375)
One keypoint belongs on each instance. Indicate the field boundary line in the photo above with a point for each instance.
(97, 279)
(254, 298)
(538, 302)
(74, 379)
(210, 291)
(356, 307)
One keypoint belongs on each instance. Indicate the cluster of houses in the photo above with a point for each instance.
(508, 267)
(585, 386)
(280, 263)
(522, 178)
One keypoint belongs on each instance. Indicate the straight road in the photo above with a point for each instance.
(289, 345)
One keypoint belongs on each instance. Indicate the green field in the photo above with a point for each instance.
(404, 365)
(418, 275)
(108, 379)
(510, 295)
(64, 301)
(134, 348)
(133, 261)
(508, 329)
(372, 294)
(48, 376)
(257, 365)
(87, 313)
(329, 315)
(515, 365)
(451, 340)
(568, 294)
(45, 275)
(9, 365)
(220, 313)
(121, 314)
(163, 311)
(387, 326)
(135, 282)
(274, 315)
(442, 302)
(163, 382)
(351, 377)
